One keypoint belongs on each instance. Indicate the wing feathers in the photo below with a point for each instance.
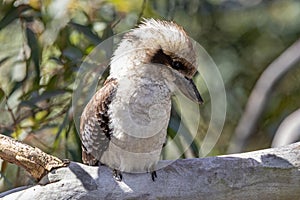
(94, 123)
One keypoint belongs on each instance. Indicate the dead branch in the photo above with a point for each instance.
(32, 159)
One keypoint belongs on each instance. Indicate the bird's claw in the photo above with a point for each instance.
(153, 175)
(117, 175)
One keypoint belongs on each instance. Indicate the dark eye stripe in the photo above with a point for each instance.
(162, 58)
(173, 61)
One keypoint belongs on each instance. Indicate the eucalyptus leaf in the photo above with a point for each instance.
(11, 15)
(86, 30)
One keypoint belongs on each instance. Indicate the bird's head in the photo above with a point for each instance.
(164, 43)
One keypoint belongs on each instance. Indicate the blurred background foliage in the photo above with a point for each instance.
(44, 42)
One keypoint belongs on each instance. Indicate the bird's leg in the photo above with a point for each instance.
(117, 175)
(153, 175)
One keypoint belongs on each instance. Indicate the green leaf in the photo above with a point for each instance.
(60, 131)
(2, 95)
(3, 60)
(86, 30)
(52, 84)
(16, 86)
(175, 124)
(56, 60)
(72, 53)
(12, 14)
(108, 32)
(35, 53)
(172, 133)
(46, 95)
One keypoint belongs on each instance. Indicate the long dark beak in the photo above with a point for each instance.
(189, 89)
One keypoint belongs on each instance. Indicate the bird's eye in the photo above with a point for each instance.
(177, 65)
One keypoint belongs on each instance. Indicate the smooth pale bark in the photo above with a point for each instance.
(266, 174)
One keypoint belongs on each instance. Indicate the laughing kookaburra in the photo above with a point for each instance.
(124, 125)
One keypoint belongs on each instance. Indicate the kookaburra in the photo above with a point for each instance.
(124, 125)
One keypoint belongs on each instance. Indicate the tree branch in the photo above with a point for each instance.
(288, 131)
(260, 93)
(33, 160)
(266, 174)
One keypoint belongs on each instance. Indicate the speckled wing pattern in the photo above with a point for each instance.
(94, 124)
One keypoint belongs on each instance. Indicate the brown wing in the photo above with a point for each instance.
(94, 124)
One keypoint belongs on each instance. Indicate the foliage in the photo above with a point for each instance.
(44, 42)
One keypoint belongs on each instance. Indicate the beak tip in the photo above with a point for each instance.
(200, 101)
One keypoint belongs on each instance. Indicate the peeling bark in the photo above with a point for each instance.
(32, 159)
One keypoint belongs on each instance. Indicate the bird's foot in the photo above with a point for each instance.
(117, 175)
(153, 175)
